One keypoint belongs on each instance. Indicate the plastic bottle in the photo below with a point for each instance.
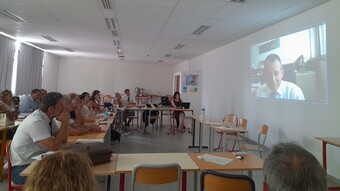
(106, 114)
(203, 112)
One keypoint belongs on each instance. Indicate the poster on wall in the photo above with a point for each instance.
(190, 83)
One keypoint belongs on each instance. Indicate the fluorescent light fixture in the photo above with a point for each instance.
(13, 16)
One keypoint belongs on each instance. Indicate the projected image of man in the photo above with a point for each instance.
(274, 86)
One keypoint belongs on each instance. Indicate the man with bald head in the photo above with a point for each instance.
(274, 86)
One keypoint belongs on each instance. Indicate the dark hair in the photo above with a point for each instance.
(5, 93)
(51, 99)
(126, 90)
(271, 58)
(176, 93)
(94, 93)
(83, 95)
(290, 167)
(35, 91)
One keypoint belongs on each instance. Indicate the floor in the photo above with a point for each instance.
(158, 141)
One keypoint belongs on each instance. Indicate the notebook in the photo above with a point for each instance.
(185, 105)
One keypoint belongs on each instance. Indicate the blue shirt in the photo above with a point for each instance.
(28, 105)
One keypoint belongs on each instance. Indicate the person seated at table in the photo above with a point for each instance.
(64, 170)
(176, 102)
(94, 101)
(43, 92)
(128, 101)
(86, 108)
(77, 127)
(39, 133)
(30, 103)
(289, 167)
(8, 106)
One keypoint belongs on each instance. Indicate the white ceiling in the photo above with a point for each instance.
(147, 29)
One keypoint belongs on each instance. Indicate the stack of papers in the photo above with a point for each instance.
(215, 159)
(89, 140)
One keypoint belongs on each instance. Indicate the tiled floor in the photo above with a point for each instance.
(158, 141)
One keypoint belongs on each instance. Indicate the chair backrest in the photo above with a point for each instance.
(156, 174)
(9, 170)
(243, 123)
(262, 135)
(217, 181)
(231, 118)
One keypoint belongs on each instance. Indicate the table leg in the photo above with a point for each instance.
(324, 155)
(195, 180)
(225, 143)
(200, 138)
(122, 182)
(210, 139)
(2, 152)
(250, 174)
(184, 181)
(108, 184)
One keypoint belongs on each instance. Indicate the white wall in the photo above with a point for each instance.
(226, 87)
(50, 72)
(79, 75)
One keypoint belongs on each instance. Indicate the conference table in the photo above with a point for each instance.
(203, 121)
(332, 141)
(189, 162)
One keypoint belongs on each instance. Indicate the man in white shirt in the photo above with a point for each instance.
(39, 133)
(128, 101)
(274, 86)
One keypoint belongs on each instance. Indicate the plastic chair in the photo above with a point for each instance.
(236, 137)
(217, 181)
(230, 118)
(156, 174)
(11, 186)
(261, 139)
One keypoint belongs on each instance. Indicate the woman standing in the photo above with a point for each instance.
(176, 102)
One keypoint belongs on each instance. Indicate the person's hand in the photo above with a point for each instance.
(64, 117)
(96, 129)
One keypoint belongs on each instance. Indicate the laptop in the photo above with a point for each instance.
(185, 105)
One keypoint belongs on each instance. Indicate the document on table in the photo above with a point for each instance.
(89, 140)
(215, 159)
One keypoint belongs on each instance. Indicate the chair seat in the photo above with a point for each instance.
(253, 147)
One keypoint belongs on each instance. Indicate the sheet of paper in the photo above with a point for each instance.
(215, 159)
(89, 140)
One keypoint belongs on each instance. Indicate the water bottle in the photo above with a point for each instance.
(106, 114)
(203, 112)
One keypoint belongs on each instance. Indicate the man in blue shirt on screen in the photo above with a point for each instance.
(274, 86)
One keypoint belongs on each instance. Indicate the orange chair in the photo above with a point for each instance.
(261, 139)
(217, 181)
(230, 118)
(11, 186)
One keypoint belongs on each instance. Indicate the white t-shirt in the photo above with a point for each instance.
(25, 144)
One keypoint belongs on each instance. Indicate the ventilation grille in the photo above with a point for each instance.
(111, 23)
(179, 46)
(106, 4)
(200, 30)
(116, 43)
(49, 38)
(13, 16)
(68, 49)
(237, 1)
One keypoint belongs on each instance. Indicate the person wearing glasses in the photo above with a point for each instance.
(274, 86)
(39, 133)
